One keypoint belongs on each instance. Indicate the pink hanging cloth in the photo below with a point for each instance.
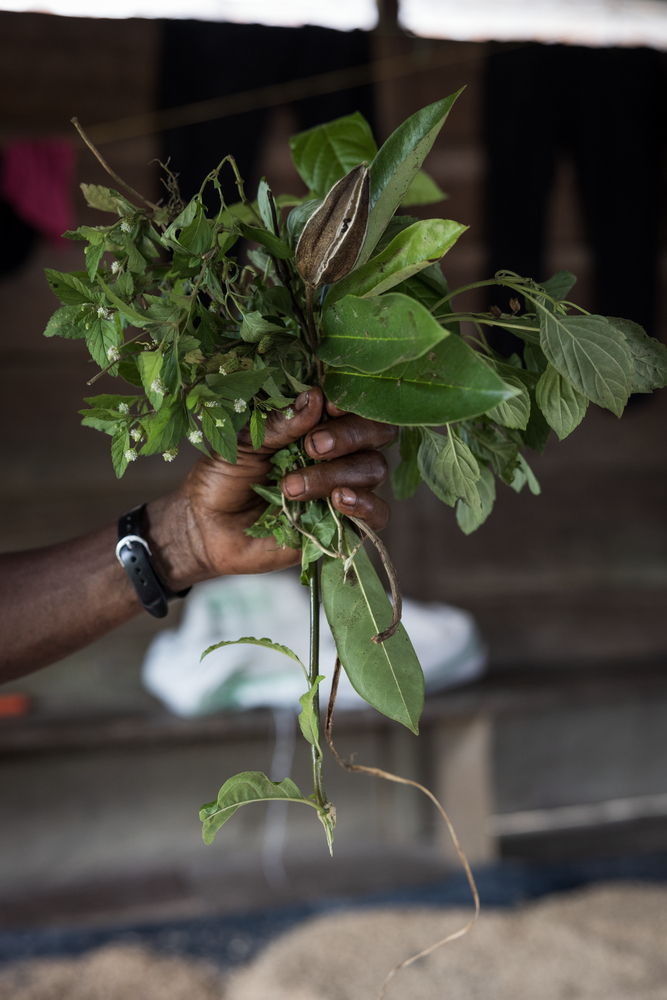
(37, 179)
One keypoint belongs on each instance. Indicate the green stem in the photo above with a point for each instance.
(313, 673)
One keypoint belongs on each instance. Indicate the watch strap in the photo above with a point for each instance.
(134, 555)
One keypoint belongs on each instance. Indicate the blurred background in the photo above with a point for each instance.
(554, 755)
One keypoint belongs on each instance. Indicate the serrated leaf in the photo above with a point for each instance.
(449, 468)
(649, 357)
(72, 289)
(150, 367)
(386, 674)
(469, 517)
(107, 200)
(102, 336)
(68, 321)
(374, 334)
(126, 309)
(257, 427)
(219, 432)
(563, 407)
(396, 164)
(523, 476)
(249, 640)
(324, 154)
(120, 445)
(515, 411)
(238, 385)
(164, 429)
(93, 255)
(449, 383)
(591, 354)
(410, 251)
(241, 790)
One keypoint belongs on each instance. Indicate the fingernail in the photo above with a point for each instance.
(294, 485)
(301, 402)
(346, 496)
(322, 442)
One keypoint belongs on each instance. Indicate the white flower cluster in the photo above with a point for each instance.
(125, 226)
(210, 402)
(170, 455)
(115, 267)
(289, 413)
(123, 408)
(220, 422)
(222, 370)
(158, 387)
(240, 406)
(195, 436)
(104, 313)
(136, 434)
(130, 455)
(113, 353)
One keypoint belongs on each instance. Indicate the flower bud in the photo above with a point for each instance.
(333, 236)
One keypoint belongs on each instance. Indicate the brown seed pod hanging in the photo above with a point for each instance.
(333, 236)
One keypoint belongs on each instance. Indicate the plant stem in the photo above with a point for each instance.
(313, 673)
(112, 173)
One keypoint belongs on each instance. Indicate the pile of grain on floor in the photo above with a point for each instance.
(602, 943)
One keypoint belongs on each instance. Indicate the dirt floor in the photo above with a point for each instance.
(606, 942)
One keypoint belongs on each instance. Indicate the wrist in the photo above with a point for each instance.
(169, 525)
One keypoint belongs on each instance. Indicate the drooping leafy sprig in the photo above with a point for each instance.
(216, 314)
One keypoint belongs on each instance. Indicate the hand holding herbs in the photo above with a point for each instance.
(341, 290)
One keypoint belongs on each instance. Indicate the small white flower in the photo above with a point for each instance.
(195, 436)
(170, 455)
(125, 226)
(158, 387)
(240, 406)
(104, 313)
(136, 434)
(115, 267)
(123, 408)
(222, 370)
(130, 455)
(113, 354)
(210, 402)
(220, 422)
(289, 413)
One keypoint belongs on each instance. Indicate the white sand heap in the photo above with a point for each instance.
(607, 942)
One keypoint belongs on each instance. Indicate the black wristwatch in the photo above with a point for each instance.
(134, 554)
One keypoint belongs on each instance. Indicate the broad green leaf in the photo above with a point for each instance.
(102, 336)
(406, 477)
(396, 164)
(559, 285)
(423, 190)
(257, 427)
(150, 367)
(563, 407)
(298, 218)
(107, 200)
(649, 357)
(515, 411)
(591, 354)
(72, 289)
(241, 790)
(374, 334)
(239, 385)
(386, 674)
(249, 640)
(254, 326)
(449, 468)
(164, 429)
(198, 236)
(68, 321)
(93, 255)
(470, 517)
(309, 722)
(449, 383)
(410, 251)
(126, 309)
(275, 246)
(324, 154)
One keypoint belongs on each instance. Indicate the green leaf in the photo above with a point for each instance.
(374, 334)
(166, 428)
(397, 163)
(72, 289)
(68, 321)
(309, 722)
(242, 789)
(298, 218)
(101, 336)
(219, 432)
(423, 190)
(120, 446)
(524, 475)
(238, 385)
(257, 426)
(324, 154)
(249, 640)
(406, 477)
(150, 367)
(649, 357)
(254, 326)
(515, 411)
(107, 200)
(470, 517)
(93, 255)
(449, 468)
(559, 285)
(591, 354)
(563, 407)
(449, 383)
(276, 247)
(266, 206)
(135, 317)
(386, 674)
(409, 252)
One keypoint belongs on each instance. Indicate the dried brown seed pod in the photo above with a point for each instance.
(333, 236)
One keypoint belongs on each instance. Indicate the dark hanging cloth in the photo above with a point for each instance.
(201, 60)
(605, 109)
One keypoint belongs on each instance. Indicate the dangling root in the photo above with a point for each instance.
(388, 776)
(396, 599)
